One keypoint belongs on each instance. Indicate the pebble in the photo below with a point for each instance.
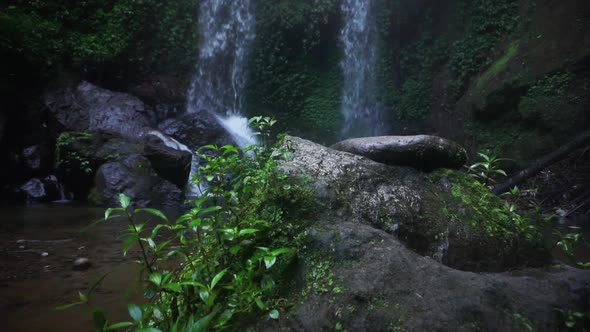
(82, 264)
(44, 254)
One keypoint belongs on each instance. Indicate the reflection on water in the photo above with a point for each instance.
(38, 245)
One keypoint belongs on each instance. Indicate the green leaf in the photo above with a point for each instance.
(156, 278)
(174, 287)
(224, 318)
(148, 329)
(154, 212)
(269, 261)
(247, 231)
(202, 324)
(124, 200)
(274, 314)
(210, 209)
(68, 306)
(83, 297)
(281, 251)
(135, 312)
(260, 303)
(120, 325)
(217, 278)
(235, 249)
(129, 242)
(99, 319)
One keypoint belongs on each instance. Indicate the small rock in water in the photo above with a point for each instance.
(81, 264)
(44, 254)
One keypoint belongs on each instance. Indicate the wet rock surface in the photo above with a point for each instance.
(196, 130)
(423, 152)
(418, 208)
(134, 176)
(79, 106)
(359, 271)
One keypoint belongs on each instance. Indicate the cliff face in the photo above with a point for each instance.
(508, 78)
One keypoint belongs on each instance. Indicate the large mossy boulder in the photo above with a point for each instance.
(388, 250)
(445, 215)
(422, 152)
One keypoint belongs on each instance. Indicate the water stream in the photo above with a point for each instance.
(360, 103)
(227, 32)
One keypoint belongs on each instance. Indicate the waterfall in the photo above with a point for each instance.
(227, 31)
(360, 105)
(191, 190)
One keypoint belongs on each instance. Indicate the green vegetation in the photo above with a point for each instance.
(223, 261)
(294, 68)
(485, 170)
(500, 64)
(136, 37)
(72, 161)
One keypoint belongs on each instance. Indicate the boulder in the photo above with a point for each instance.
(445, 215)
(361, 265)
(34, 190)
(196, 129)
(170, 163)
(134, 176)
(353, 277)
(422, 152)
(32, 157)
(80, 106)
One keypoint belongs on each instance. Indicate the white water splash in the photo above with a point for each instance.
(227, 32)
(191, 189)
(237, 127)
(360, 105)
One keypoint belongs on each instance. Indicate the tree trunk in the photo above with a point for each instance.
(539, 164)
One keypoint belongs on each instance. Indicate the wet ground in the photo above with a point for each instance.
(38, 246)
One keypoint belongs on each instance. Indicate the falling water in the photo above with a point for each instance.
(360, 105)
(227, 31)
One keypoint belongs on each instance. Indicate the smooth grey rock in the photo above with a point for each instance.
(82, 264)
(134, 176)
(422, 152)
(34, 190)
(80, 106)
(170, 164)
(196, 130)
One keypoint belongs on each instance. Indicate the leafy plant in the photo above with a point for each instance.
(221, 262)
(569, 242)
(486, 170)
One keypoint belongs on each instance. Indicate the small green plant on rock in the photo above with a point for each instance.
(486, 170)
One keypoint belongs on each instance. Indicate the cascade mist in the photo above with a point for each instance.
(360, 104)
(226, 33)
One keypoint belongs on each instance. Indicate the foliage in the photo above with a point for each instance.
(222, 261)
(486, 170)
(90, 35)
(500, 64)
(569, 242)
(72, 161)
(294, 68)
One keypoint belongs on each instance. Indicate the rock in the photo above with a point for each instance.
(169, 163)
(423, 152)
(196, 130)
(134, 176)
(82, 264)
(32, 157)
(34, 190)
(80, 106)
(363, 279)
(445, 214)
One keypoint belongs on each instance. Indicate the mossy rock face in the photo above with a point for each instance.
(444, 215)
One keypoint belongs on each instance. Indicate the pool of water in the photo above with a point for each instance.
(38, 246)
